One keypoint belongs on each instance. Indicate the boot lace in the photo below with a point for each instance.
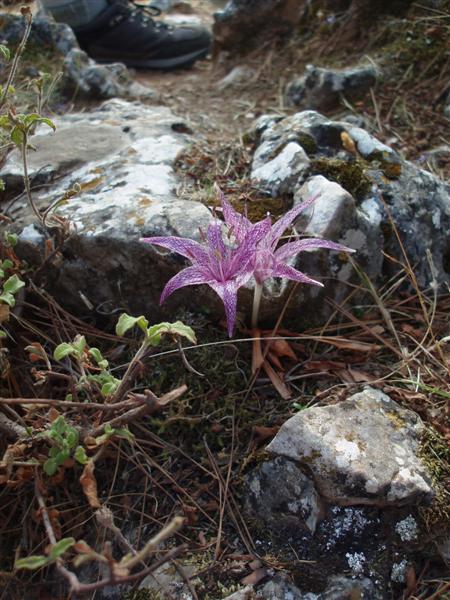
(142, 14)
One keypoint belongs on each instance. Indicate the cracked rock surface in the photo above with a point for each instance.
(344, 446)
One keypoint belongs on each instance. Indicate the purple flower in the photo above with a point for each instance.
(267, 260)
(223, 267)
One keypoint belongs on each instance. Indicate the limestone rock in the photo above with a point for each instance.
(83, 75)
(386, 188)
(127, 191)
(344, 445)
(45, 33)
(292, 505)
(167, 582)
(239, 75)
(344, 588)
(280, 174)
(322, 89)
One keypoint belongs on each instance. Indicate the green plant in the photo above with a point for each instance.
(64, 439)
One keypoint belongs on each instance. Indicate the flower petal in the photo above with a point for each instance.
(293, 248)
(282, 270)
(247, 248)
(215, 239)
(227, 292)
(286, 221)
(184, 246)
(238, 224)
(190, 276)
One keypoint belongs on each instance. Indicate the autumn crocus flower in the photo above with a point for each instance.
(224, 267)
(268, 261)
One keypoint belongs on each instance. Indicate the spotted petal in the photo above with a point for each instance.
(227, 292)
(238, 224)
(282, 270)
(286, 221)
(293, 248)
(184, 246)
(190, 276)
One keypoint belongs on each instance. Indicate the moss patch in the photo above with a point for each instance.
(351, 175)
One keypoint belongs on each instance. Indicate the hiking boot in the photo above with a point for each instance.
(126, 32)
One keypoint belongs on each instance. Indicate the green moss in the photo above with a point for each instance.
(351, 175)
(307, 142)
(435, 454)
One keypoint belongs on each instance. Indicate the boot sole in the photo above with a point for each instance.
(162, 64)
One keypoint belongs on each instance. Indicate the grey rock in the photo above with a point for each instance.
(284, 171)
(168, 582)
(344, 446)
(294, 505)
(45, 33)
(84, 76)
(323, 89)
(344, 588)
(128, 192)
(246, 593)
(279, 589)
(388, 189)
(239, 75)
(54, 155)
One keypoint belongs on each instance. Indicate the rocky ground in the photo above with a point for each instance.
(309, 458)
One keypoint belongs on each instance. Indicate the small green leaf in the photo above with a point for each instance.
(7, 264)
(96, 355)
(60, 547)
(2, 185)
(109, 388)
(124, 433)
(5, 122)
(3, 334)
(72, 438)
(11, 238)
(8, 299)
(5, 52)
(51, 466)
(35, 118)
(63, 350)
(126, 322)
(17, 136)
(13, 284)
(79, 344)
(176, 329)
(80, 455)
(31, 563)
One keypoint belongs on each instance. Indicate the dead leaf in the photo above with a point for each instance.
(82, 547)
(4, 313)
(274, 360)
(349, 375)
(323, 365)
(346, 344)
(282, 348)
(265, 433)
(89, 484)
(277, 381)
(53, 414)
(254, 577)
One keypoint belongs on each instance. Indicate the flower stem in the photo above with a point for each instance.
(256, 302)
